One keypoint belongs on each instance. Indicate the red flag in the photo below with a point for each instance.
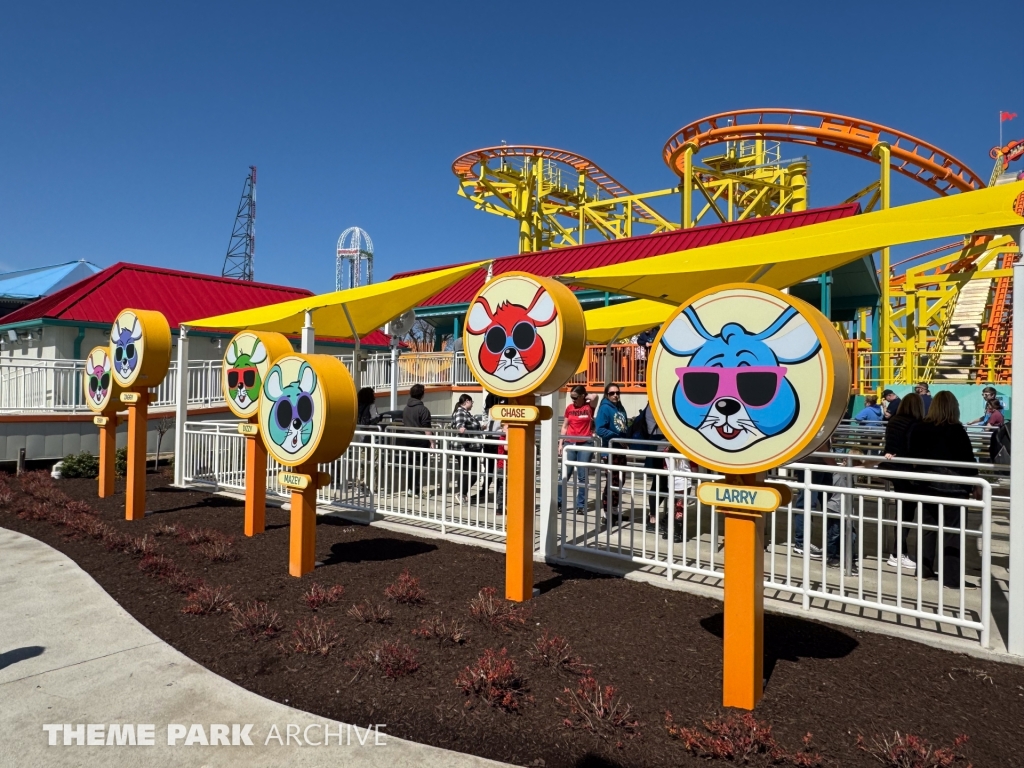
(1004, 116)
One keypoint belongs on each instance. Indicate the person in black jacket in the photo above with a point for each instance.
(897, 444)
(416, 417)
(941, 437)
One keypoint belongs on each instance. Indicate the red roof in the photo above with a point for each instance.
(575, 258)
(180, 296)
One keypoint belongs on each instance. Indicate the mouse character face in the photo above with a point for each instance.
(291, 418)
(125, 343)
(734, 390)
(512, 347)
(98, 370)
(243, 375)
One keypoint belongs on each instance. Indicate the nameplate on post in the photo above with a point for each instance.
(246, 428)
(99, 421)
(756, 498)
(131, 397)
(520, 413)
(294, 480)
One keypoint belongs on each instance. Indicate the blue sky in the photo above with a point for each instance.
(126, 130)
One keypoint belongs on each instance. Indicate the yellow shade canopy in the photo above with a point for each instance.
(606, 325)
(351, 313)
(782, 259)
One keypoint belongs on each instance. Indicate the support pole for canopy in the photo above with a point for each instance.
(609, 366)
(1015, 639)
(394, 372)
(308, 335)
(356, 362)
(181, 406)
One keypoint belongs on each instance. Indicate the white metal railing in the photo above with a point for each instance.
(56, 386)
(429, 480)
(857, 527)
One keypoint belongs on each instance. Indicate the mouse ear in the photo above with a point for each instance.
(542, 310)
(480, 317)
(685, 335)
(791, 338)
(232, 353)
(272, 389)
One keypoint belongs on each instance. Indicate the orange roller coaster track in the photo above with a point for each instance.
(910, 156)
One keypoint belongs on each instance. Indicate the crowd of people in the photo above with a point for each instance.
(917, 426)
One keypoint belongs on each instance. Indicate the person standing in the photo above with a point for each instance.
(463, 420)
(892, 403)
(926, 398)
(416, 417)
(897, 444)
(989, 396)
(871, 412)
(610, 424)
(577, 427)
(941, 437)
(995, 414)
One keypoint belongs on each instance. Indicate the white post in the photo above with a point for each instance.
(547, 501)
(394, 373)
(1015, 641)
(181, 406)
(308, 337)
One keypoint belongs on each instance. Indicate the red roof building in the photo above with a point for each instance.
(450, 305)
(68, 323)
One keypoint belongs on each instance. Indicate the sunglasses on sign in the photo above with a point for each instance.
(754, 386)
(247, 376)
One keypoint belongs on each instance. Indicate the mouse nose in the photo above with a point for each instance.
(510, 353)
(296, 424)
(727, 407)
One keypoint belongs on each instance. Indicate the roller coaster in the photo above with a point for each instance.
(946, 317)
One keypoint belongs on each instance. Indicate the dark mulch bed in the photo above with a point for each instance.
(661, 649)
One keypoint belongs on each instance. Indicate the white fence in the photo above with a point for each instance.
(640, 508)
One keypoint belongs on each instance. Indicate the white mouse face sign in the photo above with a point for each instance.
(128, 347)
(524, 334)
(99, 385)
(744, 378)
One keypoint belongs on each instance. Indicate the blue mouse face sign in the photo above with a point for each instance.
(740, 377)
(291, 415)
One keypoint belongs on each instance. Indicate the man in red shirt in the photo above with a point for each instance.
(577, 427)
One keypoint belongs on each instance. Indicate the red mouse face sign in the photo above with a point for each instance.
(524, 334)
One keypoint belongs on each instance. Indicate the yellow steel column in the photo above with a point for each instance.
(797, 182)
(881, 151)
(687, 220)
(581, 202)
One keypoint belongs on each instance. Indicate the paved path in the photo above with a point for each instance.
(70, 654)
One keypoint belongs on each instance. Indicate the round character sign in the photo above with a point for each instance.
(140, 343)
(307, 409)
(745, 378)
(102, 394)
(247, 361)
(524, 335)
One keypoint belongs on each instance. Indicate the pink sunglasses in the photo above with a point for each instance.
(754, 385)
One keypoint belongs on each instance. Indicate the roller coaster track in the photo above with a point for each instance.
(910, 156)
(466, 166)
(1003, 156)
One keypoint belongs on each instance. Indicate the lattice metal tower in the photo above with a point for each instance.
(242, 245)
(355, 249)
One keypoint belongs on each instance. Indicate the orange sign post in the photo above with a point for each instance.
(525, 336)
(743, 379)
(307, 415)
(140, 346)
(103, 396)
(247, 361)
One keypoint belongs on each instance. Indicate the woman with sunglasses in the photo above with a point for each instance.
(577, 427)
(611, 423)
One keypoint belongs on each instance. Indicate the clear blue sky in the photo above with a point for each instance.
(126, 130)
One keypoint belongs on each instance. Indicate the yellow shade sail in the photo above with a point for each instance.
(606, 325)
(344, 314)
(782, 259)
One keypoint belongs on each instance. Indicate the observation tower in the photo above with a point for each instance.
(354, 263)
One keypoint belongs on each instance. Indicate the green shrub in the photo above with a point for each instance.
(121, 462)
(83, 464)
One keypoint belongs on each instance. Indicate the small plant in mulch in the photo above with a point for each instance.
(450, 631)
(39, 485)
(218, 551)
(196, 536)
(114, 541)
(314, 636)
(174, 530)
(206, 599)
(6, 493)
(368, 613)
(184, 583)
(318, 596)
(739, 738)
(159, 566)
(501, 614)
(555, 651)
(392, 659)
(910, 751)
(599, 709)
(496, 679)
(140, 546)
(256, 619)
(406, 589)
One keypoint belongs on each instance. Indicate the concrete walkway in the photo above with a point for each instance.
(70, 654)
